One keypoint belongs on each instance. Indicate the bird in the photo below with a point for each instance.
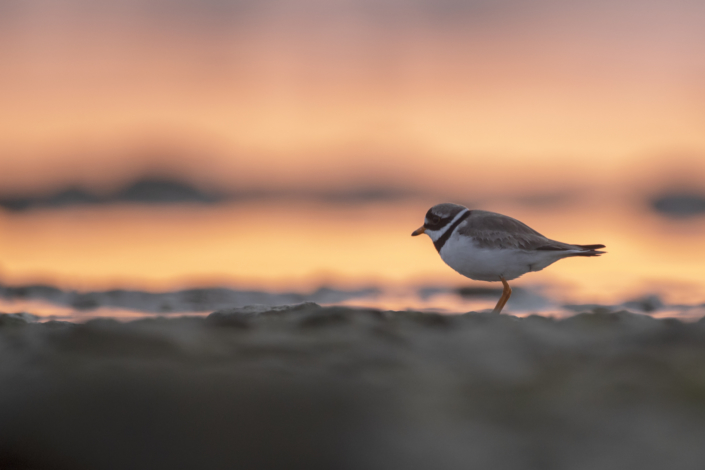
(486, 246)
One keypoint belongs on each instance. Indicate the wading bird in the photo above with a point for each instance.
(486, 246)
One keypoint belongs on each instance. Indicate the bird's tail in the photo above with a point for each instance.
(590, 250)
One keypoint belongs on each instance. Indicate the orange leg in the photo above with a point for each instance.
(506, 293)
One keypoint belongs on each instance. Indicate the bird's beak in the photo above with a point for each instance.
(418, 231)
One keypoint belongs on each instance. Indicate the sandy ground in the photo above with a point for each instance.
(338, 388)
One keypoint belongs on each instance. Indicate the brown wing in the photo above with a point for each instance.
(491, 230)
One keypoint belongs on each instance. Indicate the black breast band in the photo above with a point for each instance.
(446, 235)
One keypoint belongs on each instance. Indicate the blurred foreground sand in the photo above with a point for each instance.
(339, 388)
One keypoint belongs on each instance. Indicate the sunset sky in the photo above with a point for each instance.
(299, 92)
(589, 106)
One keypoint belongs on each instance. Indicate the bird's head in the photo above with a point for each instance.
(438, 218)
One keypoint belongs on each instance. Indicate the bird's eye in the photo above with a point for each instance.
(435, 220)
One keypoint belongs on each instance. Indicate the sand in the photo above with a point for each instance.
(309, 387)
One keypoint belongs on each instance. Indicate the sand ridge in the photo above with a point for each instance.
(305, 386)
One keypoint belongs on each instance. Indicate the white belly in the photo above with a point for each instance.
(488, 264)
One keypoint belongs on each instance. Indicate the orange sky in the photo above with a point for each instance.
(308, 91)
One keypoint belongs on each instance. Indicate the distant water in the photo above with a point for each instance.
(42, 303)
(125, 260)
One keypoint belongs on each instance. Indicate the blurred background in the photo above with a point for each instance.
(290, 147)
